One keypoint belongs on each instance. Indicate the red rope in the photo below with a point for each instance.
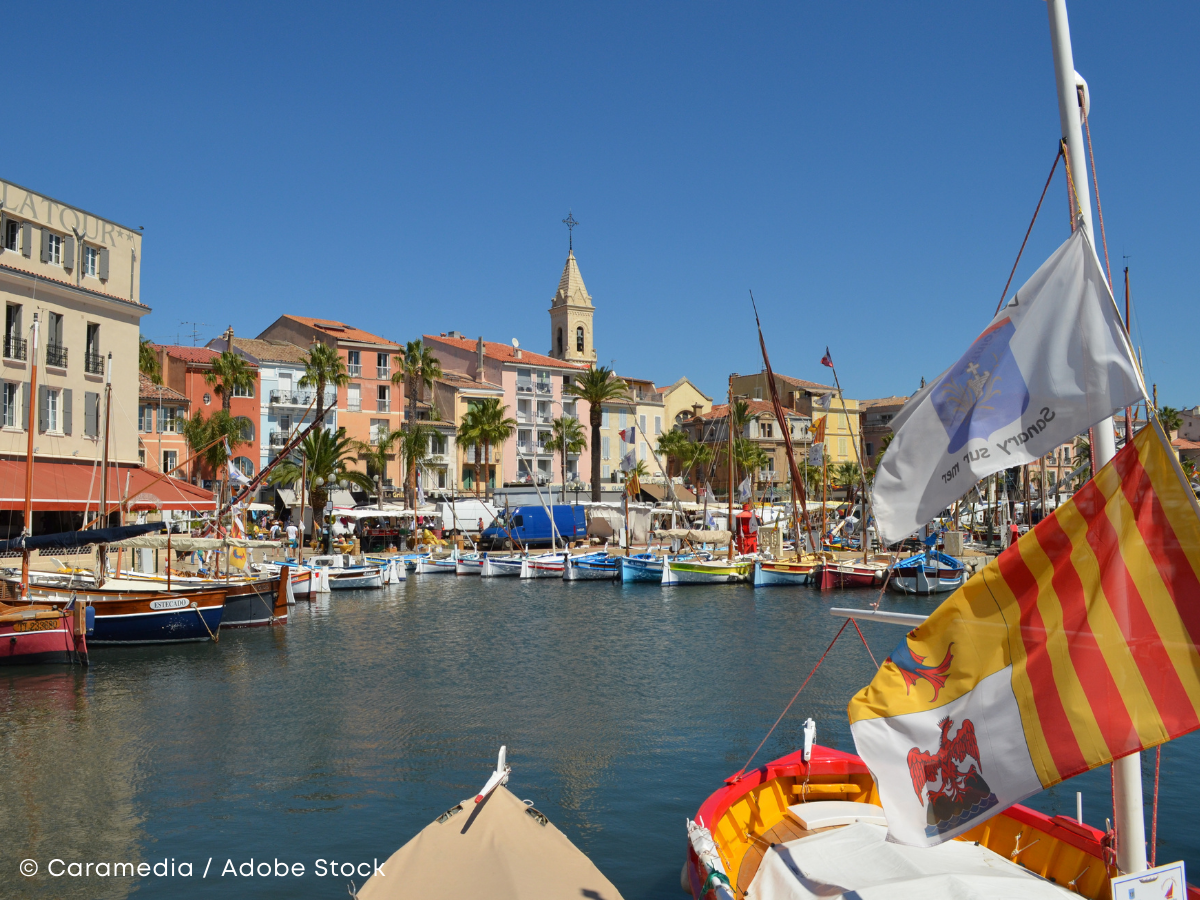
(793, 700)
(1028, 230)
(864, 640)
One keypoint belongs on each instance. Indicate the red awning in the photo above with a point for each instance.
(65, 486)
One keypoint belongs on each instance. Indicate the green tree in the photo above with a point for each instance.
(212, 437)
(325, 458)
(470, 435)
(598, 385)
(323, 367)
(566, 437)
(676, 447)
(638, 471)
(148, 363)
(414, 448)
(228, 375)
(495, 426)
(418, 369)
(1170, 419)
(376, 455)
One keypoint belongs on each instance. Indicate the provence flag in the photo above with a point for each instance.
(1076, 646)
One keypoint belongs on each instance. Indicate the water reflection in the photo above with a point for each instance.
(345, 732)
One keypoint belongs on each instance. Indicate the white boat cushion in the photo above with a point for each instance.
(858, 863)
(827, 813)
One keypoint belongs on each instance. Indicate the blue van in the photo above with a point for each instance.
(529, 526)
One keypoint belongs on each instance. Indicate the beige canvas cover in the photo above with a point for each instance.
(496, 849)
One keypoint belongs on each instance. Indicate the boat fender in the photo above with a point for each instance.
(810, 735)
(706, 852)
(89, 618)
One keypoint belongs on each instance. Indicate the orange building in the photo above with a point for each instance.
(183, 370)
(370, 404)
(162, 410)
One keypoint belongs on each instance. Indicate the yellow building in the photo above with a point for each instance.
(842, 430)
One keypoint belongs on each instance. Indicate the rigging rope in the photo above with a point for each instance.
(1028, 230)
(1099, 210)
(1154, 813)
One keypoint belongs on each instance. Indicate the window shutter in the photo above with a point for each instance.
(26, 239)
(91, 409)
(3, 232)
(68, 252)
(45, 245)
(43, 407)
(26, 411)
(66, 410)
(104, 264)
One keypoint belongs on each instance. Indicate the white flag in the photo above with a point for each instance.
(744, 489)
(420, 491)
(236, 475)
(816, 454)
(825, 400)
(629, 461)
(1052, 363)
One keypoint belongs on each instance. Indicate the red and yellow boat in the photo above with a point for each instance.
(36, 634)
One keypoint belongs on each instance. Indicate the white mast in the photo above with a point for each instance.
(1127, 772)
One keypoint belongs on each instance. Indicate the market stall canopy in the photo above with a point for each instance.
(500, 849)
(387, 512)
(260, 507)
(66, 486)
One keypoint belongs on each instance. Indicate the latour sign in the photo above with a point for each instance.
(27, 205)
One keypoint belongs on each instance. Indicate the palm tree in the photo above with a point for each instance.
(213, 436)
(323, 367)
(325, 457)
(1083, 451)
(675, 446)
(228, 375)
(377, 455)
(148, 363)
(470, 434)
(566, 437)
(750, 458)
(495, 426)
(417, 369)
(1170, 419)
(414, 447)
(597, 386)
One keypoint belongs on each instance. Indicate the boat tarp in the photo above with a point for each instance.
(604, 522)
(500, 849)
(388, 512)
(67, 539)
(186, 543)
(858, 862)
(695, 535)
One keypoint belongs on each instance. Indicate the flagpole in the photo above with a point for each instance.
(868, 506)
(1127, 771)
(729, 429)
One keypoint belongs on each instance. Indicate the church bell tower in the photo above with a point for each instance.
(571, 311)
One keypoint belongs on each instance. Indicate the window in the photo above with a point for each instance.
(92, 363)
(870, 449)
(579, 339)
(14, 344)
(207, 399)
(12, 235)
(379, 429)
(437, 444)
(604, 417)
(622, 419)
(169, 460)
(543, 382)
(243, 465)
(544, 413)
(52, 245)
(841, 446)
(12, 404)
(604, 454)
(354, 398)
(560, 342)
(168, 419)
(569, 411)
(91, 414)
(383, 398)
(641, 450)
(354, 362)
(53, 411)
(56, 353)
(642, 424)
(91, 261)
(145, 419)
(758, 393)
(243, 391)
(766, 429)
(658, 425)
(523, 441)
(382, 366)
(605, 471)
(247, 428)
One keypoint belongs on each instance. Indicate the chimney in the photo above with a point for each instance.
(696, 408)
(479, 359)
(516, 352)
(229, 338)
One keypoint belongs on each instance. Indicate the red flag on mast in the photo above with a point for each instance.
(827, 360)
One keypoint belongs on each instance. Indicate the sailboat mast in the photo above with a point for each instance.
(27, 525)
(102, 550)
(1127, 771)
(729, 430)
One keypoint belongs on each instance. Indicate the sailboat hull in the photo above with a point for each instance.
(774, 574)
(643, 570)
(683, 573)
(39, 637)
(602, 569)
(151, 617)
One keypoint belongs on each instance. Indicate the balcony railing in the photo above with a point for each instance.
(353, 406)
(56, 355)
(545, 419)
(383, 406)
(523, 387)
(354, 369)
(543, 387)
(383, 373)
(15, 347)
(93, 363)
(279, 438)
(525, 418)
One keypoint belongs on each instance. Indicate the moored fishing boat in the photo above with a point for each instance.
(930, 572)
(492, 845)
(431, 565)
(248, 601)
(501, 566)
(470, 564)
(644, 567)
(344, 575)
(852, 573)
(697, 570)
(772, 572)
(548, 565)
(594, 567)
(42, 634)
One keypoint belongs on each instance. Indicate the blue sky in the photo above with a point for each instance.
(868, 169)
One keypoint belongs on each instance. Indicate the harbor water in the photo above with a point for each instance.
(339, 736)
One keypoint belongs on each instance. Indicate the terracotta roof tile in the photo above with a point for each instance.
(882, 401)
(342, 331)
(270, 351)
(199, 355)
(757, 408)
(1185, 444)
(148, 390)
(806, 385)
(503, 352)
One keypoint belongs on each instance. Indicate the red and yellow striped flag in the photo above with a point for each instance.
(819, 434)
(1076, 646)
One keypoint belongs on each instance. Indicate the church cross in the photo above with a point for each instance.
(570, 222)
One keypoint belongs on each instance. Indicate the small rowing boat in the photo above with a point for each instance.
(706, 571)
(931, 572)
(600, 567)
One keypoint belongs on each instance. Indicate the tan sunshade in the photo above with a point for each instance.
(696, 536)
(500, 849)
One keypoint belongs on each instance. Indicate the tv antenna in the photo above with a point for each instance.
(195, 332)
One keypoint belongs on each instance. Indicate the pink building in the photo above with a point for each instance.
(533, 392)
